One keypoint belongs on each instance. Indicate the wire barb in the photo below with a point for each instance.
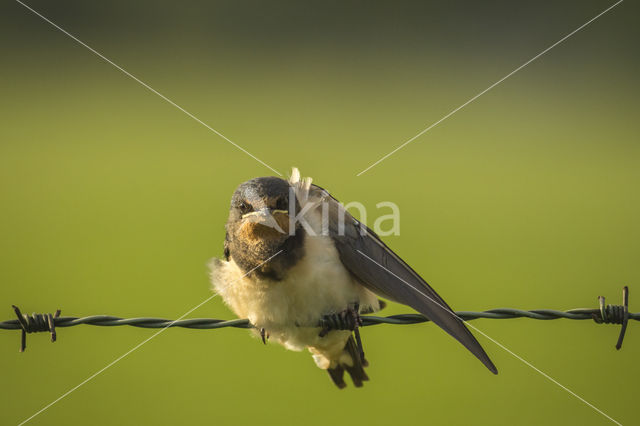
(615, 314)
(604, 314)
(34, 323)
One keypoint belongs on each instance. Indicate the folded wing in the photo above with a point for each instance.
(386, 274)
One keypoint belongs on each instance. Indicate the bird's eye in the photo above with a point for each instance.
(245, 207)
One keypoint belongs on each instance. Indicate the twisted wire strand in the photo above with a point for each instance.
(606, 314)
(142, 322)
(367, 320)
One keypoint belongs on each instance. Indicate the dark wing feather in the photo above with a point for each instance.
(386, 274)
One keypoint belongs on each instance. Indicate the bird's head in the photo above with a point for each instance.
(259, 211)
(262, 224)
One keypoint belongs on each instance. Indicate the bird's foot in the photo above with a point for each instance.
(264, 335)
(349, 319)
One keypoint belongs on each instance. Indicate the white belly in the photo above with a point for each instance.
(289, 310)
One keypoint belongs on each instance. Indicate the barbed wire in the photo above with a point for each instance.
(605, 314)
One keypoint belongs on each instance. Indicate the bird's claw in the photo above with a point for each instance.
(264, 335)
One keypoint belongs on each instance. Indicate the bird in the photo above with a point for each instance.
(303, 270)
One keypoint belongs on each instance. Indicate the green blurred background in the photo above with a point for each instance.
(112, 201)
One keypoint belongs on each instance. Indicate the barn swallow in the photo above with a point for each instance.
(302, 270)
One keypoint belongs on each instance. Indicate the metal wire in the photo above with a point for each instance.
(143, 322)
(605, 314)
(367, 320)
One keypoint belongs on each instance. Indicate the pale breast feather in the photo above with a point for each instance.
(290, 309)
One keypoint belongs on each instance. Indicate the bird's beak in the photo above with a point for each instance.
(267, 217)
